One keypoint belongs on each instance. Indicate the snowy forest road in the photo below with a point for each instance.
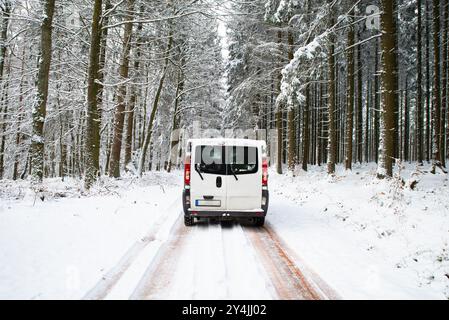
(221, 261)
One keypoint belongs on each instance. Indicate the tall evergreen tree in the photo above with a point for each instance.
(39, 110)
(388, 89)
(92, 142)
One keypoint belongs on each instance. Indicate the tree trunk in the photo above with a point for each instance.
(15, 173)
(376, 104)
(61, 114)
(350, 98)
(149, 127)
(291, 116)
(406, 133)
(306, 132)
(332, 143)
(102, 59)
(108, 148)
(428, 87)
(444, 83)
(395, 79)
(436, 94)
(3, 136)
(320, 135)
(388, 90)
(6, 11)
(419, 108)
(40, 108)
(279, 120)
(174, 137)
(119, 116)
(92, 139)
(359, 104)
(132, 103)
(368, 114)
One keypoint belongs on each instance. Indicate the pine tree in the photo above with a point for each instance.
(419, 98)
(92, 139)
(436, 94)
(291, 127)
(332, 143)
(279, 120)
(6, 12)
(133, 100)
(360, 103)
(428, 86)
(119, 115)
(350, 94)
(40, 105)
(388, 90)
(444, 82)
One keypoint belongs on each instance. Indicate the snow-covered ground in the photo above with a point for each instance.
(366, 238)
(60, 247)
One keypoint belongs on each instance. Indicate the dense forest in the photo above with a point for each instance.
(101, 87)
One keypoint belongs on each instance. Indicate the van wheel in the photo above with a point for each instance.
(188, 221)
(259, 222)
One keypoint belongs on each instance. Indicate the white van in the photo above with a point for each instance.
(225, 179)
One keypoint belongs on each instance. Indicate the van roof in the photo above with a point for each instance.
(228, 142)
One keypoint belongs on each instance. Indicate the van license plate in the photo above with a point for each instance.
(208, 203)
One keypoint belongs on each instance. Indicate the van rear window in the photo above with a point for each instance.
(227, 160)
(210, 159)
(241, 160)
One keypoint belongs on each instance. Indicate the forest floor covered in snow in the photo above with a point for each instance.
(60, 247)
(366, 238)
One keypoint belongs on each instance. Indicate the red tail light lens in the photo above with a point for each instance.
(187, 171)
(264, 172)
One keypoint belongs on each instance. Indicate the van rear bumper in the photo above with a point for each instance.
(262, 212)
(226, 214)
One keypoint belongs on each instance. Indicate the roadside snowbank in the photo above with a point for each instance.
(368, 238)
(60, 247)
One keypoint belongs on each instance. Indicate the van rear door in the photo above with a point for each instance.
(244, 181)
(208, 178)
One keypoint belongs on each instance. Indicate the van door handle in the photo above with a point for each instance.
(208, 197)
(219, 182)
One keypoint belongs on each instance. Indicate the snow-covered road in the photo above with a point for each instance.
(208, 261)
(213, 261)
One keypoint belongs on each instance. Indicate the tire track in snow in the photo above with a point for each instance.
(158, 274)
(110, 279)
(326, 291)
(289, 281)
(209, 261)
(242, 268)
(187, 266)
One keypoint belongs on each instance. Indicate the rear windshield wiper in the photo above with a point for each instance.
(199, 172)
(233, 173)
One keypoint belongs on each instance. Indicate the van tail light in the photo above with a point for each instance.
(264, 172)
(187, 171)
